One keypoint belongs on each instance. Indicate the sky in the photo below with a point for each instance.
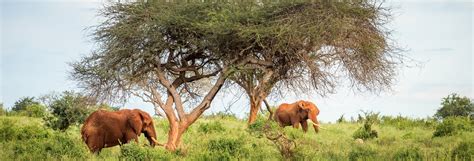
(39, 39)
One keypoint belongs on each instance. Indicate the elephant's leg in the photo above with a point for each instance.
(131, 136)
(304, 124)
(95, 144)
(295, 123)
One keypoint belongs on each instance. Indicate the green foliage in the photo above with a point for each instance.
(402, 123)
(34, 142)
(453, 126)
(221, 115)
(34, 110)
(369, 116)
(3, 111)
(23, 103)
(211, 127)
(455, 105)
(25, 138)
(8, 132)
(366, 131)
(226, 149)
(408, 153)
(257, 128)
(134, 151)
(362, 153)
(464, 151)
(67, 109)
(341, 119)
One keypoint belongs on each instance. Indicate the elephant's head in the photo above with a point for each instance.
(308, 110)
(142, 122)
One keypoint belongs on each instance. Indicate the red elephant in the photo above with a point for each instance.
(297, 113)
(104, 129)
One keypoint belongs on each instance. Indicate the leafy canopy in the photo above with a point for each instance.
(455, 105)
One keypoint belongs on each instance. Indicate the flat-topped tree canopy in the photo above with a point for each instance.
(164, 51)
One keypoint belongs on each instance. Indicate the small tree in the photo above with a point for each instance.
(66, 109)
(3, 111)
(455, 105)
(34, 110)
(24, 102)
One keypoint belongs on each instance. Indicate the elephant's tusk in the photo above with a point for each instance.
(315, 124)
(156, 141)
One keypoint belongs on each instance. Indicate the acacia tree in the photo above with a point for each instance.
(316, 46)
(162, 53)
(177, 55)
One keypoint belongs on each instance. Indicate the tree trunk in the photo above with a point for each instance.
(255, 104)
(175, 133)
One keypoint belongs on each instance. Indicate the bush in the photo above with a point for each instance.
(369, 116)
(24, 102)
(211, 127)
(455, 105)
(409, 153)
(56, 146)
(134, 151)
(3, 111)
(452, 126)
(341, 119)
(362, 153)
(365, 132)
(464, 151)
(222, 115)
(226, 149)
(67, 109)
(403, 123)
(9, 131)
(34, 142)
(35, 110)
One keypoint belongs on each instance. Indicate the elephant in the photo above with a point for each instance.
(104, 129)
(297, 113)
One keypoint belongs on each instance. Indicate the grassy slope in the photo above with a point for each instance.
(332, 143)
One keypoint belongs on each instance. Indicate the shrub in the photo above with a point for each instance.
(408, 153)
(23, 103)
(3, 111)
(452, 126)
(362, 153)
(67, 109)
(365, 132)
(211, 127)
(35, 110)
(455, 105)
(57, 146)
(403, 123)
(341, 119)
(133, 151)
(9, 131)
(226, 149)
(256, 128)
(464, 151)
(368, 116)
(34, 142)
(222, 115)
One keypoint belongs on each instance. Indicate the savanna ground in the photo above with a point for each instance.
(224, 137)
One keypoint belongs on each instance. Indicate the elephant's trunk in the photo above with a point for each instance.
(150, 134)
(314, 120)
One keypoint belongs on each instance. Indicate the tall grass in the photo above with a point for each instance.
(228, 138)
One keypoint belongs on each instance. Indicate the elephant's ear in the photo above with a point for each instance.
(301, 104)
(136, 122)
(146, 119)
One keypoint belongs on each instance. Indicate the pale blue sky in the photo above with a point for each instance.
(38, 38)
